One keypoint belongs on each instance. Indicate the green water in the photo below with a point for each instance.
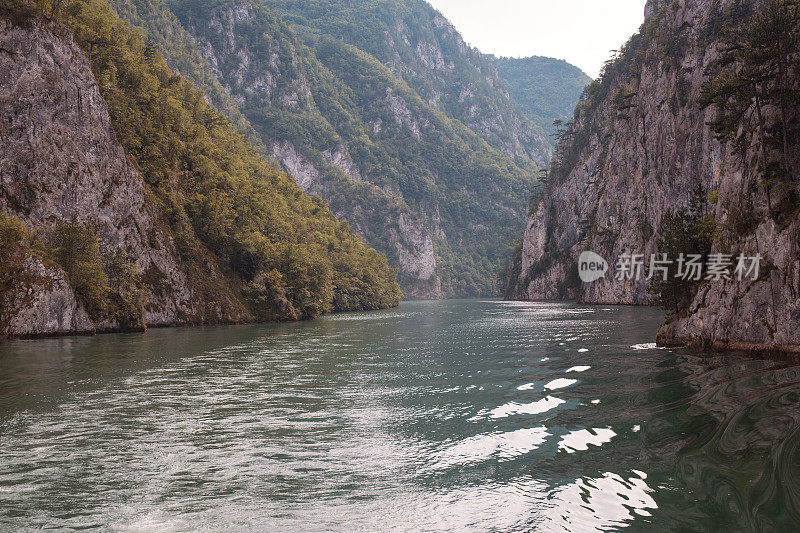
(460, 415)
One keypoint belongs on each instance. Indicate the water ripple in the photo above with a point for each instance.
(465, 415)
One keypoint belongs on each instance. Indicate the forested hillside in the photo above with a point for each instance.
(189, 225)
(432, 194)
(422, 48)
(379, 108)
(543, 88)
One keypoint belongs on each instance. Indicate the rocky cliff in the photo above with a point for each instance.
(126, 201)
(61, 161)
(643, 138)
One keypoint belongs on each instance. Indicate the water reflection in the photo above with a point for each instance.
(444, 415)
(581, 439)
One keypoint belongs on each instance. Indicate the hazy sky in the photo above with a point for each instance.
(581, 31)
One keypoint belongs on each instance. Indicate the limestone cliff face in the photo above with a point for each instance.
(639, 145)
(40, 300)
(385, 220)
(61, 162)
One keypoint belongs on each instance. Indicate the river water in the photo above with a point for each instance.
(456, 415)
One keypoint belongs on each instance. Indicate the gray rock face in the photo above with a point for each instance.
(41, 301)
(634, 164)
(407, 240)
(414, 248)
(61, 161)
(652, 7)
(305, 174)
(751, 316)
(639, 150)
(231, 59)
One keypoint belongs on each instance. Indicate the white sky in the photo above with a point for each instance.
(581, 31)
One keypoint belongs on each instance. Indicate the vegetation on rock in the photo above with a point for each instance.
(283, 251)
(422, 48)
(685, 232)
(76, 249)
(751, 86)
(329, 98)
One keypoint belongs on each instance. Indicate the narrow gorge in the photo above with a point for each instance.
(378, 265)
(402, 128)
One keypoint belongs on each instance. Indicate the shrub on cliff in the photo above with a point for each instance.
(12, 231)
(77, 249)
(109, 289)
(752, 85)
(13, 234)
(128, 295)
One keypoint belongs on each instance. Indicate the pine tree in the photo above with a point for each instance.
(687, 231)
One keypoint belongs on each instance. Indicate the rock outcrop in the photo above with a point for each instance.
(640, 143)
(40, 300)
(385, 218)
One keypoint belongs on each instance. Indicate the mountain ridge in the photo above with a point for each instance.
(545, 89)
(374, 160)
(419, 45)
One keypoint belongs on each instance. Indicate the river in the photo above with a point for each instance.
(458, 415)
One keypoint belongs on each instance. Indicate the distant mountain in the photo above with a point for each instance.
(379, 108)
(543, 88)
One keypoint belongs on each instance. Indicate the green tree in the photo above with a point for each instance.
(127, 296)
(77, 249)
(12, 231)
(687, 231)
